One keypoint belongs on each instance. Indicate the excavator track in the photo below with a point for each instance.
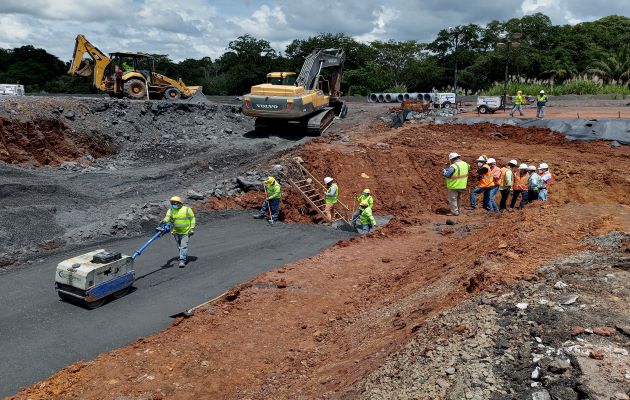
(318, 123)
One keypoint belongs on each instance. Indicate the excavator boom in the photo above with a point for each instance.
(318, 60)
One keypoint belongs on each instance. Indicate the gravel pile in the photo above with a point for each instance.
(564, 336)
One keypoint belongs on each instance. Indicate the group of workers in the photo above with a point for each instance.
(520, 100)
(270, 208)
(529, 182)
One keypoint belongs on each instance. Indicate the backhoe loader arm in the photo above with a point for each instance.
(101, 61)
(318, 60)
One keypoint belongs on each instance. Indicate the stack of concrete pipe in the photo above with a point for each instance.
(398, 97)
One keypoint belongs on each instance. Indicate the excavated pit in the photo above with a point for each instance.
(47, 142)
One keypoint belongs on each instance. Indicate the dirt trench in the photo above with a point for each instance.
(47, 142)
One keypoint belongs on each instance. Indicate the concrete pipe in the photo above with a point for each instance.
(400, 97)
(426, 97)
(381, 98)
(413, 96)
(373, 98)
(406, 96)
(389, 97)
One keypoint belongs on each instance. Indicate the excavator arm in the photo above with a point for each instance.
(101, 61)
(318, 60)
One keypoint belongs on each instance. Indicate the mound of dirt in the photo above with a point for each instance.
(47, 142)
(139, 131)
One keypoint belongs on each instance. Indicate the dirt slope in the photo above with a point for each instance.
(315, 328)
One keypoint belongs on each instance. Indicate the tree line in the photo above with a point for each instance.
(543, 54)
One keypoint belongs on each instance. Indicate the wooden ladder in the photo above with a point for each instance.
(311, 189)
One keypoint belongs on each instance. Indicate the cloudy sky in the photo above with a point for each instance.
(198, 28)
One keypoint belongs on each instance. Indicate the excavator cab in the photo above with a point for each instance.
(281, 78)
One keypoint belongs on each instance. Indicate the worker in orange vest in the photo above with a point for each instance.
(485, 182)
(520, 186)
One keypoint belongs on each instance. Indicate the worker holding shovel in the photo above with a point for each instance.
(183, 219)
(271, 206)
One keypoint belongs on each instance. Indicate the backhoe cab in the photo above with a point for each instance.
(126, 74)
(307, 101)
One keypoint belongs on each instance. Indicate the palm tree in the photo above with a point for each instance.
(558, 72)
(613, 67)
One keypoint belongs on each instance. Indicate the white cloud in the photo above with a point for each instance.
(198, 28)
(67, 10)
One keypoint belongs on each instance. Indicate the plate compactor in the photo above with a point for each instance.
(93, 277)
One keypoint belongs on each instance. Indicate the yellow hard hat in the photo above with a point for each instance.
(366, 190)
(176, 199)
(364, 203)
(270, 180)
(519, 92)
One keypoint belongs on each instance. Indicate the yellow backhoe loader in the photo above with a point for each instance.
(308, 102)
(125, 74)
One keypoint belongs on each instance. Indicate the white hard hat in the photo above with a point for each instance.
(453, 155)
(542, 92)
(327, 180)
(522, 166)
(492, 161)
(543, 166)
(531, 168)
(513, 162)
(481, 158)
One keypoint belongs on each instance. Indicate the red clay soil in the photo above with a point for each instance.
(46, 142)
(313, 328)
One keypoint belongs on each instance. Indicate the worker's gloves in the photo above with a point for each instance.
(191, 233)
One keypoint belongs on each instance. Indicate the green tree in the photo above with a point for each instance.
(613, 67)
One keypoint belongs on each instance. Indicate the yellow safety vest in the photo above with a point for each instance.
(183, 220)
(459, 179)
(333, 199)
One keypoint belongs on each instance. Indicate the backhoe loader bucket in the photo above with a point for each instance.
(85, 70)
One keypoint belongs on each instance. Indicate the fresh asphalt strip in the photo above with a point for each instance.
(40, 334)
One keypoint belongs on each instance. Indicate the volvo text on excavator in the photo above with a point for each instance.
(308, 101)
(126, 74)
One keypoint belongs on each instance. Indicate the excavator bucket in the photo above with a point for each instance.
(85, 70)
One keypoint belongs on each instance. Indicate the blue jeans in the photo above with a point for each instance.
(355, 216)
(518, 107)
(182, 245)
(275, 208)
(363, 229)
(524, 200)
(542, 195)
(492, 203)
(486, 197)
(540, 111)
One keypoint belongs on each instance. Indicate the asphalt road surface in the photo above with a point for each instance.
(40, 334)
